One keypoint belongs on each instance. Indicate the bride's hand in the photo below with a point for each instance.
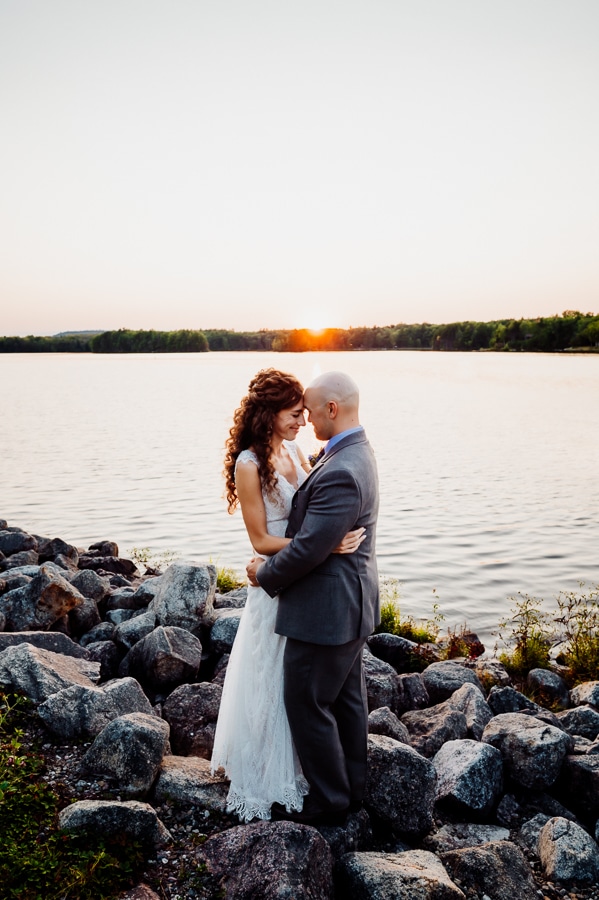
(351, 541)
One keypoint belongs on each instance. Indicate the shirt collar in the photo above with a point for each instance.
(338, 437)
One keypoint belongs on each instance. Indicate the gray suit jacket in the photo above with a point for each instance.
(325, 597)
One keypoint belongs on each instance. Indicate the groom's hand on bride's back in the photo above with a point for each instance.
(251, 569)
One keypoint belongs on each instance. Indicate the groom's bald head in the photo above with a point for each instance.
(332, 402)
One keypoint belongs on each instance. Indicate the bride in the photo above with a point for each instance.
(263, 469)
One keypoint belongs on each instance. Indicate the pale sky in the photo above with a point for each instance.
(250, 164)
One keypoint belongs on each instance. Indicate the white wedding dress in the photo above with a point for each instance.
(253, 742)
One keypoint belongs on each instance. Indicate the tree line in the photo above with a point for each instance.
(572, 330)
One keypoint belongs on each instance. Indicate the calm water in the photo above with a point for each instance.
(488, 463)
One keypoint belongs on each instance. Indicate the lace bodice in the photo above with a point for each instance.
(278, 506)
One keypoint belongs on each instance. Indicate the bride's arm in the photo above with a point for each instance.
(249, 492)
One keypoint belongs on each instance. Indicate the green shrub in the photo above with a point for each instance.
(419, 631)
(37, 859)
(530, 634)
(578, 616)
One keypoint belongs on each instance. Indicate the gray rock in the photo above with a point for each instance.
(129, 751)
(108, 655)
(381, 683)
(165, 658)
(91, 585)
(508, 700)
(40, 673)
(271, 860)
(498, 870)
(442, 679)
(549, 688)
(110, 818)
(19, 560)
(133, 630)
(140, 892)
(400, 786)
(532, 751)
(431, 728)
(84, 617)
(383, 721)
(80, 711)
(224, 629)
(220, 670)
(528, 835)
(469, 776)
(16, 541)
(452, 836)
(232, 599)
(39, 604)
(191, 711)
(393, 649)
(118, 616)
(588, 692)
(103, 548)
(10, 581)
(122, 598)
(44, 640)
(412, 694)
(579, 783)
(490, 672)
(51, 549)
(113, 564)
(469, 700)
(582, 720)
(104, 631)
(567, 853)
(187, 779)
(185, 596)
(146, 592)
(413, 875)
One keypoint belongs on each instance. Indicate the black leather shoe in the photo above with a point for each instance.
(309, 816)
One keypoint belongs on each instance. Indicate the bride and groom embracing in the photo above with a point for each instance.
(293, 723)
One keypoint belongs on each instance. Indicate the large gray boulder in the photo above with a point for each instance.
(412, 694)
(18, 560)
(431, 728)
(54, 641)
(442, 679)
(192, 711)
(469, 776)
(587, 692)
(506, 699)
(469, 700)
(133, 630)
(91, 585)
(581, 720)
(40, 673)
(39, 604)
(188, 779)
(110, 818)
(224, 630)
(454, 835)
(84, 617)
(165, 658)
(400, 786)
(393, 649)
(272, 861)
(383, 721)
(381, 683)
(498, 870)
(578, 783)
(490, 672)
(16, 541)
(532, 751)
(80, 711)
(411, 875)
(568, 854)
(549, 688)
(129, 751)
(108, 655)
(185, 596)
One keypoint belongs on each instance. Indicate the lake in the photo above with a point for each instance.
(487, 463)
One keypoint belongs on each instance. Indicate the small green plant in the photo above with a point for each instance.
(578, 616)
(158, 562)
(227, 580)
(38, 860)
(420, 631)
(529, 634)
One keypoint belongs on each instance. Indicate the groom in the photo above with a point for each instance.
(328, 604)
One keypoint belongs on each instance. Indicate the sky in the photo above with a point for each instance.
(253, 164)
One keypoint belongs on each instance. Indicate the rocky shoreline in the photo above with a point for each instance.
(473, 790)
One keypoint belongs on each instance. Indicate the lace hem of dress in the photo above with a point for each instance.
(246, 808)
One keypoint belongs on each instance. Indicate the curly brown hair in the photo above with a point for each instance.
(269, 392)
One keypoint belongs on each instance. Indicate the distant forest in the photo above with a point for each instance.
(572, 330)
